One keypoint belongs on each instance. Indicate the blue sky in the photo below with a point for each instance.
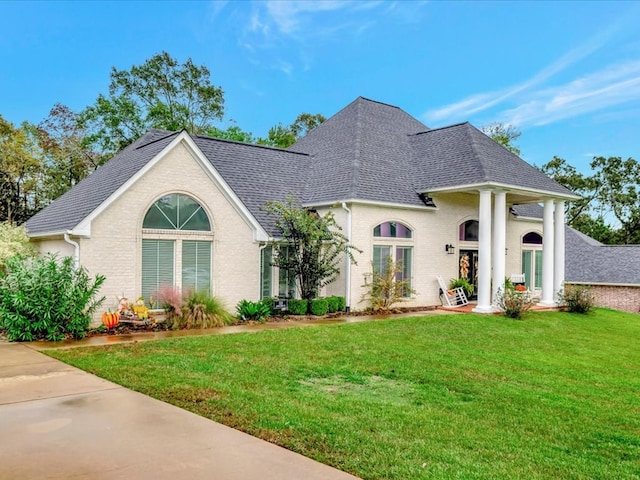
(567, 74)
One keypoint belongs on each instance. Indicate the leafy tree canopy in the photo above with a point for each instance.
(505, 135)
(285, 136)
(312, 247)
(20, 171)
(611, 191)
(160, 93)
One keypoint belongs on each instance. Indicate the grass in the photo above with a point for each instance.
(556, 395)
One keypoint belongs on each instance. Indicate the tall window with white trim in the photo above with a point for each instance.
(395, 240)
(176, 246)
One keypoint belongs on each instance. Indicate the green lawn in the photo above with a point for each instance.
(555, 395)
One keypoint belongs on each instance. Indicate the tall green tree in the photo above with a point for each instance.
(284, 136)
(312, 246)
(611, 192)
(20, 171)
(504, 134)
(160, 93)
(67, 157)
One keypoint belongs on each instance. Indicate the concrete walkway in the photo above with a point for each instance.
(58, 422)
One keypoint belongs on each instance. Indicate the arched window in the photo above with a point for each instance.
(176, 214)
(469, 231)
(392, 230)
(394, 239)
(532, 238)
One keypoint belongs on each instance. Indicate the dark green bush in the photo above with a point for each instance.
(47, 299)
(342, 304)
(333, 304)
(298, 306)
(268, 303)
(258, 311)
(319, 306)
(577, 298)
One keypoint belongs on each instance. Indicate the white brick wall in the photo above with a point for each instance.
(114, 248)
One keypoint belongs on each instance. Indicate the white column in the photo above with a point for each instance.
(499, 241)
(547, 255)
(484, 254)
(558, 253)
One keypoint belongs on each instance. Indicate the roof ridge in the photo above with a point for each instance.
(474, 145)
(438, 128)
(237, 142)
(355, 165)
(155, 140)
(378, 102)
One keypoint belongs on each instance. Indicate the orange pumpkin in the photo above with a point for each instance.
(110, 319)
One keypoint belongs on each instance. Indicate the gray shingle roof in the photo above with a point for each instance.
(257, 174)
(588, 261)
(463, 155)
(362, 152)
(70, 209)
(367, 151)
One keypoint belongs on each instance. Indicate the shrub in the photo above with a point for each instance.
(333, 304)
(298, 306)
(47, 299)
(578, 299)
(170, 299)
(342, 304)
(268, 304)
(385, 289)
(201, 310)
(514, 303)
(257, 311)
(319, 306)
(461, 282)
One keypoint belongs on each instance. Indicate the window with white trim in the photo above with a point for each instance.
(395, 240)
(532, 260)
(176, 246)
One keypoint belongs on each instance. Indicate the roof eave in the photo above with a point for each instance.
(542, 194)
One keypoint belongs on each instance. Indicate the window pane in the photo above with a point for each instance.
(286, 279)
(469, 231)
(380, 255)
(538, 270)
(532, 238)
(266, 272)
(392, 230)
(404, 257)
(526, 268)
(157, 267)
(191, 216)
(196, 265)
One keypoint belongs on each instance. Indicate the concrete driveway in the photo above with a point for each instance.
(58, 422)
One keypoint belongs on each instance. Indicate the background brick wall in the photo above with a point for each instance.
(620, 298)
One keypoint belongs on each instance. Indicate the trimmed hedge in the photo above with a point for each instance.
(297, 306)
(319, 306)
(333, 304)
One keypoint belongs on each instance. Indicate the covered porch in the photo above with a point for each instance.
(494, 204)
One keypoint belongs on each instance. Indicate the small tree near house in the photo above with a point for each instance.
(312, 246)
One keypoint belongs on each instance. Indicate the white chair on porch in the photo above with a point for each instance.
(453, 297)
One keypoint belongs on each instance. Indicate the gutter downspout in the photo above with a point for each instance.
(76, 245)
(348, 265)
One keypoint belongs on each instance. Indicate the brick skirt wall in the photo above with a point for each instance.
(620, 298)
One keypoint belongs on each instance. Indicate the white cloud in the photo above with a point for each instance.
(482, 101)
(614, 85)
